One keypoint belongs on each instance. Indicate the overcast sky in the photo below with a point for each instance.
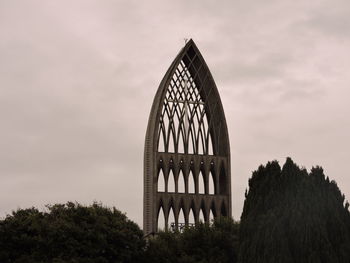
(77, 80)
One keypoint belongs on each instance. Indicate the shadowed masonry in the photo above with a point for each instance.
(186, 141)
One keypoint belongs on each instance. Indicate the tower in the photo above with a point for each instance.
(186, 143)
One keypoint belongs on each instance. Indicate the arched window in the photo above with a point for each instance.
(211, 216)
(212, 212)
(171, 220)
(161, 138)
(210, 145)
(164, 126)
(191, 219)
(201, 216)
(161, 219)
(171, 182)
(161, 181)
(181, 182)
(181, 218)
(171, 140)
(211, 183)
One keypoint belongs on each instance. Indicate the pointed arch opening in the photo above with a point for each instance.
(191, 218)
(181, 182)
(161, 181)
(212, 212)
(181, 220)
(176, 127)
(171, 219)
(161, 219)
(211, 183)
(171, 182)
(164, 133)
(211, 216)
(195, 125)
(201, 216)
(210, 145)
(201, 143)
(171, 140)
(161, 138)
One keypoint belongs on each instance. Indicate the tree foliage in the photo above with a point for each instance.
(70, 233)
(200, 244)
(291, 215)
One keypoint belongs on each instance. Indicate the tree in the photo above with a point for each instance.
(291, 215)
(203, 243)
(70, 233)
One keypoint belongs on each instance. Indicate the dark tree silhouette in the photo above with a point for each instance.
(217, 243)
(291, 215)
(70, 233)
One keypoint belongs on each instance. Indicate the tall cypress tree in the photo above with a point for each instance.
(291, 215)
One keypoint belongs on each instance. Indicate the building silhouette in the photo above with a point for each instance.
(187, 153)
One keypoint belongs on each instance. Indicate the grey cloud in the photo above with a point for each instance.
(77, 80)
(332, 19)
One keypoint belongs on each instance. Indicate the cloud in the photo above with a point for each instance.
(77, 80)
(328, 19)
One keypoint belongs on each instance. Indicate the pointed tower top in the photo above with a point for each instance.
(186, 131)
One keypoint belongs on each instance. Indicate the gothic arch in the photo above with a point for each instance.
(161, 180)
(182, 217)
(171, 181)
(192, 214)
(171, 222)
(186, 132)
(181, 185)
(201, 216)
(181, 221)
(211, 181)
(204, 211)
(191, 182)
(161, 217)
